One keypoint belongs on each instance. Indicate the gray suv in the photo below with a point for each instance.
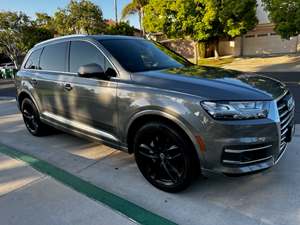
(137, 96)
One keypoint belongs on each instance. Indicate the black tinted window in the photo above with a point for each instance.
(33, 60)
(54, 57)
(84, 53)
(141, 55)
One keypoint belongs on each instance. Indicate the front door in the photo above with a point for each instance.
(92, 101)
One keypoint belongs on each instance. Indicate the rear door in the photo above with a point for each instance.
(50, 78)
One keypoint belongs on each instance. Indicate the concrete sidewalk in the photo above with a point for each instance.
(28, 197)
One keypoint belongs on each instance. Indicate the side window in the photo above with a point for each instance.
(33, 60)
(54, 57)
(83, 53)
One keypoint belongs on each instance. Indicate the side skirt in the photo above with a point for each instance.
(82, 130)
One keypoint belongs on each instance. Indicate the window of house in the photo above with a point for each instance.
(262, 35)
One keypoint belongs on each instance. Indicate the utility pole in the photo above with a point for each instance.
(116, 11)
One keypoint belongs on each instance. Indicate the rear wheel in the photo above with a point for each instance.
(32, 119)
(165, 157)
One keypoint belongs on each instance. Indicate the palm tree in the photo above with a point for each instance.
(135, 6)
(116, 11)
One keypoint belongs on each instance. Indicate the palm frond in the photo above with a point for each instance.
(130, 9)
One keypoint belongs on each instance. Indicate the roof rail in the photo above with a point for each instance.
(60, 38)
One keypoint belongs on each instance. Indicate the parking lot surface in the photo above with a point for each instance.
(269, 197)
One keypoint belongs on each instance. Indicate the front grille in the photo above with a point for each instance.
(245, 155)
(286, 117)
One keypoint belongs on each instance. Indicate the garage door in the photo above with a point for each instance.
(268, 43)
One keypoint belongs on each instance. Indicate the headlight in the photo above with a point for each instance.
(231, 110)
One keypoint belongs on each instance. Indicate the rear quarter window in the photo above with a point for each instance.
(33, 60)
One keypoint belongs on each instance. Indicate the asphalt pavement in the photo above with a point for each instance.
(7, 88)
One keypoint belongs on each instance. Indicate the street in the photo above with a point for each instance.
(7, 88)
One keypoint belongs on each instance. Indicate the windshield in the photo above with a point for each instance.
(137, 55)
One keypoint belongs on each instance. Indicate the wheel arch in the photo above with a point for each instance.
(25, 94)
(153, 115)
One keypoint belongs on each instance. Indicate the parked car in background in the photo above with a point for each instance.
(7, 66)
(137, 96)
(7, 70)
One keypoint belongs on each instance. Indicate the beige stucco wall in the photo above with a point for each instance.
(227, 47)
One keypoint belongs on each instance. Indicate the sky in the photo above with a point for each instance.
(30, 7)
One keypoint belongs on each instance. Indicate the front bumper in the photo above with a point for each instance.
(237, 147)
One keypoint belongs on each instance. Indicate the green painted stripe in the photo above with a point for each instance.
(127, 208)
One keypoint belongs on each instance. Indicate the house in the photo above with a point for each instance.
(261, 40)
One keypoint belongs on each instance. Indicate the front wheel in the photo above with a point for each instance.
(165, 157)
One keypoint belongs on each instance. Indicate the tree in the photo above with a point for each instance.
(121, 28)
(43, 20)
(286, 16)
(136, 6)
(12, 25)
(200, 20)
(79, 17)
(18, 34)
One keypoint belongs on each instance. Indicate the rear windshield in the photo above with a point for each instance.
(137, 55)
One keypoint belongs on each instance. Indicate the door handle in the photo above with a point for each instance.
(68, 87)
(34, 82)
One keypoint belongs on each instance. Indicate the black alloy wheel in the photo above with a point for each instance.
(31, 118)
(164, 157)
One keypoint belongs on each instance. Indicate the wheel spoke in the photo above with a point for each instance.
(27, 115)
(173, 147)
(174, 156)
(146, 147)
(173, 169)
(34, 123)
(174, 180)
(158, 142)
(150, 153)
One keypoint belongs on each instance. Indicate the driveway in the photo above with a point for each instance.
(273, 63)
(269, 197)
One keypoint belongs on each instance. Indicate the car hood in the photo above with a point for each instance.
(212, 83)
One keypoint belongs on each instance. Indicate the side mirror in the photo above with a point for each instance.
(92, 71)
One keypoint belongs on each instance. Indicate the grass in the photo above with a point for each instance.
(215, 62)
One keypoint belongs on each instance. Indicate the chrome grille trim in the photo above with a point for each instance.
(284, 113)
(287, 123)
(281, 107)
(247, 150)
(286, 117)
(248, 162)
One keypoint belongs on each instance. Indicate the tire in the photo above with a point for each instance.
(165, 156)
(32, 120)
